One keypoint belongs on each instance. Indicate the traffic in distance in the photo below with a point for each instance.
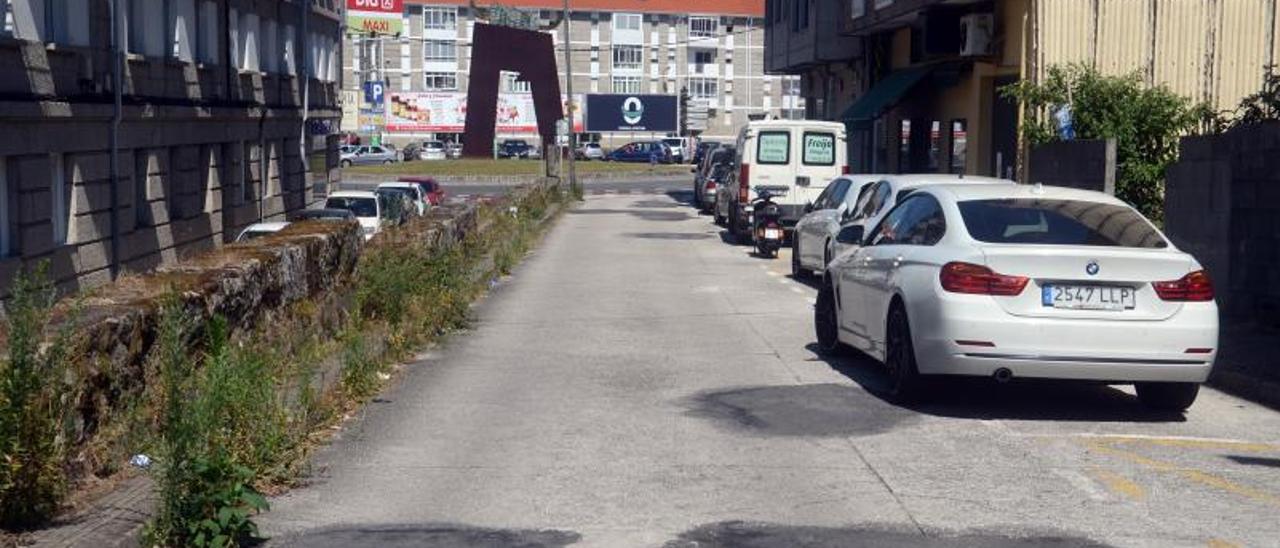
(937, 275)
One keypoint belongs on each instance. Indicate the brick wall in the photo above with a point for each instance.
(1222, 204)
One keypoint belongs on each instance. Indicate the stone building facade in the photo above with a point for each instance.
(714, 48)
(211, 133)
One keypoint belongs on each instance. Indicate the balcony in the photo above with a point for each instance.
(791, 51)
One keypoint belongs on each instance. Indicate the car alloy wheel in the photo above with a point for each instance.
(826, 321)
(900, 357)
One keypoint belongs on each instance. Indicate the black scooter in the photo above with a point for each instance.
(766, 225)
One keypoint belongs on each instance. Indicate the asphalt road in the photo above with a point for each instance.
(638, 185)
(639, 382)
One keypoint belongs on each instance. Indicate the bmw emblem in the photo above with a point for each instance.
(1091, 268)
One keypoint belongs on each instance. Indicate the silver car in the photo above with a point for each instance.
(369, 154)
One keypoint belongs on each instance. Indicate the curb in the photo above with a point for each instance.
(1254, 389)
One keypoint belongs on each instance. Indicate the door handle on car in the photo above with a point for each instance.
(897, 261)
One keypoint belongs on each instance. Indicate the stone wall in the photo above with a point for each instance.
(1088, 164)
(1222, 204)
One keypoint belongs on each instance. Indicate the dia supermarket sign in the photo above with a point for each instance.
(375, 16)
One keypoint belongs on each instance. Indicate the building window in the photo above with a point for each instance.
(628, 57)
(6, 231)
(935, 145)
(439, 50)
(182, 30)
(146, 29)
(959, 142)
(703, 27)
(790, 87)
(61, 211)
(904, 146)
(440, 81)
(246, 173)
(627, 21)
(703, 88)
(626, 84)
(701, 59)
(289, 49)
(439, 18)
(249, 30)
(57, 21)
(857, 8)
(141, 191)
(208, 28)
(270, 43)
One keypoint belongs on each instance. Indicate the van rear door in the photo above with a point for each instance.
(818, 158)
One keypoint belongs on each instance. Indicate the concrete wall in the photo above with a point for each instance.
(1222, 204)
(1088, 164)
(185, 130)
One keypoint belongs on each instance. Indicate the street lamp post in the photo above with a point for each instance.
(568, 84)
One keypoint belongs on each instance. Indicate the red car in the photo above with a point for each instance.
(430, 188)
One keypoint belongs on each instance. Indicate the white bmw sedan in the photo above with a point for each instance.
(1022, 281)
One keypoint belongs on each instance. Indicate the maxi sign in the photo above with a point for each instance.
(375, 16)
(621, 112)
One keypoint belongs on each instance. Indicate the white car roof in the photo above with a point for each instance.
(960, 192)
(354, 194)
(398, 184)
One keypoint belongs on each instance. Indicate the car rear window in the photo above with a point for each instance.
(819, 149)
(361, 207)
(774, 148)
(1058, 222)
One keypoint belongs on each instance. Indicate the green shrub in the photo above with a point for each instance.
(34, 401)
(1145, 121)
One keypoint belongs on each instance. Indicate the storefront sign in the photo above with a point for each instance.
(375, 16)
(410, 112)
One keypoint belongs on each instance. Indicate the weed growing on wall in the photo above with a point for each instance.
(35, 395)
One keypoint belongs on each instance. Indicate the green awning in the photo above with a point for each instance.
(883, 95)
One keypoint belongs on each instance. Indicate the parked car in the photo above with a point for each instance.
(410, 152)
(417, 198)
(641, 151)
(702, 149)
(514, 148)
(258, 230)
(432, 150)
(365, 205)
(431, 190)
(719, 173)
(369, 154)
(398, 205)
(453, 150)
(721, 155)
(680, 149)
(590, 151)
(793, 159)
(1012, 281)
(322, 214)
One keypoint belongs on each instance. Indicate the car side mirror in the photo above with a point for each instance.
(808, 207)
(850, 235)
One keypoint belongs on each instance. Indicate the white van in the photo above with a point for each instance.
(793, 159)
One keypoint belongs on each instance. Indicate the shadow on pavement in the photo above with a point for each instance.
(436, 536)
(643, 214)
(739, 534)
(1255, 461)
(1026, 399)
(669, 235)
(820, 410)
(663, 204)
(682, 196)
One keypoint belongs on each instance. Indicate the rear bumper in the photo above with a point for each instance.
(972, 335)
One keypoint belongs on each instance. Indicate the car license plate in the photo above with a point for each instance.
(772, 234)
(1088, 297)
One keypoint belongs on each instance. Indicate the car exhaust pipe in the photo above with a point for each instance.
(1003, 375)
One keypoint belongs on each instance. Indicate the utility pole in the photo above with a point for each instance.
(568, 86)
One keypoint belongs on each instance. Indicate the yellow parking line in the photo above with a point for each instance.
(1193, 443)
(1106, 446)
(1120, 485)
(1219, 543)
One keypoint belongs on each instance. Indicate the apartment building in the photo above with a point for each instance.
(225, 113)
(712, 48)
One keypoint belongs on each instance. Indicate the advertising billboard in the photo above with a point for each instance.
(428, 112)
(621, 112)
(375, 16)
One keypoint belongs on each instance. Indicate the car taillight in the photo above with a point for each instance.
(711, 185)
(1195, 286)
(844, 170)
(960, 277)
(744, 184)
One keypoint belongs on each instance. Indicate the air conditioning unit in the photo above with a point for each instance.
(976, 33)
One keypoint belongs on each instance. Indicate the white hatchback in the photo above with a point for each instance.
(1010, 281)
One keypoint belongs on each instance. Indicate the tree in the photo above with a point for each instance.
(1146, 123)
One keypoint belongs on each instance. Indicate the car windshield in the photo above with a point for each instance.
(361, 207)
(1058, 222)
(255, 234)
